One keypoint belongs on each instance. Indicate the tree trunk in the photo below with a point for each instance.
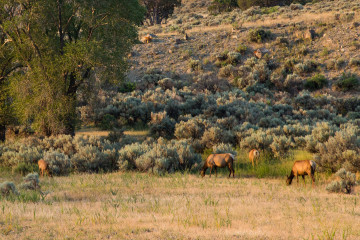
(2, 133)
(70, 118)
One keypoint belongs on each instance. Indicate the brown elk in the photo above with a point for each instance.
(302, 168)
(254, 155)
(219, 160)
(43, 167)
(147, 39)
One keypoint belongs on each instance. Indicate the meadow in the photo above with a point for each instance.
(132, 205)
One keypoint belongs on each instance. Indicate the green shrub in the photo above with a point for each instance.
(245, 4)
(218, 6)
(354, 62)
(127, 87)
(161, 125)
(341, 150)
(241, 48)
(259, 35)
(128, 154)
(189, 129)
(7, 188)
(195, 65)
(224, 148)
(24, 168)
(30, 182)
(347, 82)
(233, 57)
(345, 184)
(316, 82)
(108, 122)
(58, 163)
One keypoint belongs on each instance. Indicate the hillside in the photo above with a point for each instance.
(333, 50)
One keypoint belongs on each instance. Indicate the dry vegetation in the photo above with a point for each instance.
(199, 96)
(141, 206)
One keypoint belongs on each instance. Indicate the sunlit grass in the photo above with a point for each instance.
(177, 206)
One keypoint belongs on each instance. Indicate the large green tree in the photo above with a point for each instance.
(158, 10)
(56, 46)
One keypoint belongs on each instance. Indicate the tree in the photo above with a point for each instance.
(57, 46)
(157, 10)
(245, 4)
(6, 67)
(218, 6)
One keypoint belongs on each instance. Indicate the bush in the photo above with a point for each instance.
(24, 168)
(345, 184)
(58, 163)
(128, 154)
(341, 150)
(161, 125)
(215, 135)
(316, 82)
(7, 188)
(189, 129)
(195, 65)
(233, 57)
(241, 49)
(108, 122)
(245, 4)
(188, 159)
(127, 87)
(347, 82)
(258, 140)
(31, 182)
(218, 6)
(160, 157)
(259, 35)
(280, 146)
(92, 159)
(224, 148)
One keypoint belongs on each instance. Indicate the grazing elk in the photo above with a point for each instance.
(254, 155)
(219, 160)
(302, 168)
(147, 39)
(43, 167)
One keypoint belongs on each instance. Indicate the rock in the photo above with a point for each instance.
(261, 52)
(309, 34)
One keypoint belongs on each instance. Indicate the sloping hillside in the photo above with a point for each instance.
(333, 50)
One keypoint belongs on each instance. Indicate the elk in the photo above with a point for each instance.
(147, 39)
(43, 167)
(302, 168)
(254, 155)
(219, 160)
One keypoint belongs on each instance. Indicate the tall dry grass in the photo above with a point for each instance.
(179, 206)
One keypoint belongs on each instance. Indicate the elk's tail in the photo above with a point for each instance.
(313, 165)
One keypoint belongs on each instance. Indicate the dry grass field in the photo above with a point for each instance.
(179, 206)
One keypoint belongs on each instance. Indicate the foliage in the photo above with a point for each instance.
(56, 47)
(224, 148)
(58, 163)
(347, 82)
(159, 10)
(218, 6)
(316, 82)
(259, 35)
(30, 182)
(345, 184)
(159, 157)
(341, 150)
(7, 188)
(245, 4)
